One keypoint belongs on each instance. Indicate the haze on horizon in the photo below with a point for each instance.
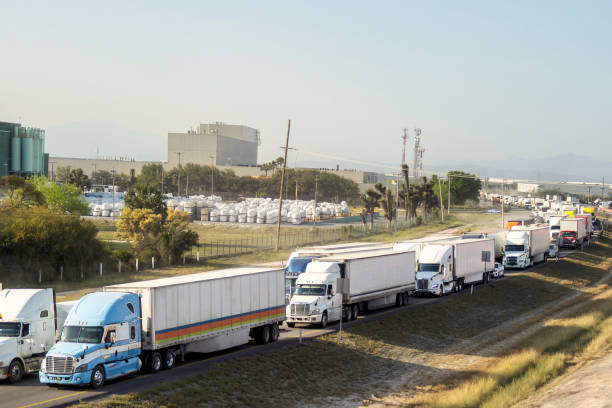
(484, 80)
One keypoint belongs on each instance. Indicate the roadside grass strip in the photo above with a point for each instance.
(371, 362)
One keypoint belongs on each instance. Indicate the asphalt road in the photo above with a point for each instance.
(30, 393)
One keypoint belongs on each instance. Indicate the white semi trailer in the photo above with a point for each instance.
(446, 267)
(149, 324)
(526, 245)
(345, 285)
(29, 322)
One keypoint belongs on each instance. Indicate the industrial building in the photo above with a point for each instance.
(215, 143)
(22, 150)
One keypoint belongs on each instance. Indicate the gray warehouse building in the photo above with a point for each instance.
(215, 143)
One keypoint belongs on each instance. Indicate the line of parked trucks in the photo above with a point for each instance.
(150, 325)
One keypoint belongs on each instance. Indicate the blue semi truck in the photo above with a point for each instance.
(152, 324)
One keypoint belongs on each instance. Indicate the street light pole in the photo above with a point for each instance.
(113, 186)
(280, 201)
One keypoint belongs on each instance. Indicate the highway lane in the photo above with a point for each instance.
(30, 393)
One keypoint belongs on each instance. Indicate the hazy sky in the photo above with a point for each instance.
(482, 78)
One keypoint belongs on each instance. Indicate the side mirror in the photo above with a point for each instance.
(113, 338)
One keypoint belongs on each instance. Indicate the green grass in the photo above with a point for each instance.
(359, 367)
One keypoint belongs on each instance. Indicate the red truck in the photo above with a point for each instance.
(573, 232)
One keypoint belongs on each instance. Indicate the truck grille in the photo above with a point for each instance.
(59, 365)
(300, 310)
(422, 283)
(511, 260)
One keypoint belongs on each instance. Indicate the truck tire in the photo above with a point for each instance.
(263, 335)
(290, 324)
(274, 332)
(169, 359)
(459, 285)
(15, 371)
(355, 311)
(398, 300)
(348, 311)
(406, 298)
(155, 362)
(441, 290)
(97, 377)
(323, 323)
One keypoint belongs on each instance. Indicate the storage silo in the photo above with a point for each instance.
(5, 148)
(16, 154)
(27, 154)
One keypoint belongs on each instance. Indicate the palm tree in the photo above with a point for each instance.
(370, 201)
(387, 202)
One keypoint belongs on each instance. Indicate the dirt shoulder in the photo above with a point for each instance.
(587, 387)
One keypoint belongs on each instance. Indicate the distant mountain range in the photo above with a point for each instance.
(567, 167)
(93, 138)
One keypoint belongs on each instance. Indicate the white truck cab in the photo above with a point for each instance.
(435, 267)
(27, 330)
(316, 299)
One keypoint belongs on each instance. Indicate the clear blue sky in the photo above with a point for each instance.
(482, 78)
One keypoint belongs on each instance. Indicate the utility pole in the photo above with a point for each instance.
(187, 187)
(280, 201)
(441, 205)
(179, 155)
(502, 204)
(212, 175)
(449, 193)
(314, 215)
(113, 171)
(162, 180)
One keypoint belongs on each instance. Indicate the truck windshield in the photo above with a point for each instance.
(515, 248)
(82, 334)
(316, 290)
(555, 227)
(10, 329)
(297, 265)
(426, 267)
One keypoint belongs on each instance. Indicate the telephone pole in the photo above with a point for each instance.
(280, 201)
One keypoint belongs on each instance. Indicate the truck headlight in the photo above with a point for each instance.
(43, 365)
(81, 369)
(316, 311)
(435, 285)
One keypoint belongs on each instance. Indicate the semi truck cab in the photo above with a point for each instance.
(99, 341)
(27, 330)
(295, 267)
(517, 250)
(435, 270)
(316, 299)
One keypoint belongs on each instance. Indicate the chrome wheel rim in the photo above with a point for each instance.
(170, 360)
(98, 377)
(16, 371)
(156, 363)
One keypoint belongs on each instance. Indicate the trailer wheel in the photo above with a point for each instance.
(290, 324)
(323, 323)
(441, 290)
(97, 377)
(15, 371)
(459, 285)
(406, 298)
(355, 311)
(169, 359)
(155, 362)
(398, 300)
(274, 332)
(264, 335)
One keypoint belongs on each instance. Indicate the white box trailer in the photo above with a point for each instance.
(347, 284)
(209, 311)
(573, 232)
(526, 245)
(445, 267)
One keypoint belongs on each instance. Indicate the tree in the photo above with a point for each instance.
(370, 201)
(150, 235)
(60, 197)
(146, 197)
(387, 201)
(79, 179)
(464, 186)
(20, 193)
(429, 198)
(62, 174)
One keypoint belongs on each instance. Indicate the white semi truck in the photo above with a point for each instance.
(449, 266)
(554, 222)
(151, 324)
(526, 245)
(345, 285)
(29, 321)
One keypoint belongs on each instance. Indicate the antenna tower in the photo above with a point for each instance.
(417, 154)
